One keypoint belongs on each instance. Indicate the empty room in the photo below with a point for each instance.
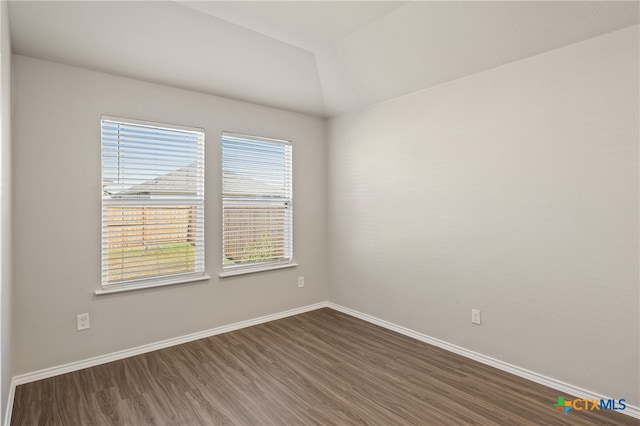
(320, 212)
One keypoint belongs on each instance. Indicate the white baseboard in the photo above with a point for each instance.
(558, 385)
(114, 356)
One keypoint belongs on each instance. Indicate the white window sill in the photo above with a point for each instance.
(253, 270)
(142, 286)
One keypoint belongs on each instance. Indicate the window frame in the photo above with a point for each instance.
(249, 268)
(198, 202)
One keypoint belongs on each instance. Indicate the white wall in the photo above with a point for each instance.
(56, 215)
(514, 191)
(5, 209)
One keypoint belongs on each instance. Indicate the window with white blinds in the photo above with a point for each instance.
(256, 203)
(152, 203)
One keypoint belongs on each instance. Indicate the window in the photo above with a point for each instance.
(256, 204)
(152, 204)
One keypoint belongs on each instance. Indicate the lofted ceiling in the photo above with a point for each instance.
(309, 25)
(315, 57)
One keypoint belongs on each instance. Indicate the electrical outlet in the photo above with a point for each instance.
(83, 321)
(475, 316)
(300, 281)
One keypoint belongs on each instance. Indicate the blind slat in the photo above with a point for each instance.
(152, 203)
(257, 201)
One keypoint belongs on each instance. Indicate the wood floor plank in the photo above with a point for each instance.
(318, 368)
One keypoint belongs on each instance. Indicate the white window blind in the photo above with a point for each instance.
(257, 202)
(152, 203)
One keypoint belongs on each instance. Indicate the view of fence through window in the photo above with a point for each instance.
(152, 203)
(256, 201)
(264, 230)
(145, 240)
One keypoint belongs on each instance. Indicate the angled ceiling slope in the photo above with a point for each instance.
(166, 43)
(309, 25)
(318, 58)
(423, 44)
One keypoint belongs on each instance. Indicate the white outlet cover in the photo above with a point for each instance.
(83, 321)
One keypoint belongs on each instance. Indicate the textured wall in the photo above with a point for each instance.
(57, 190)
(514, 191)
(6, 257)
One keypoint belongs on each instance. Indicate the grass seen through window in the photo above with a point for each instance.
(144, 261)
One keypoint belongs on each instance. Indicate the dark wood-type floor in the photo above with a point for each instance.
(321, 367)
